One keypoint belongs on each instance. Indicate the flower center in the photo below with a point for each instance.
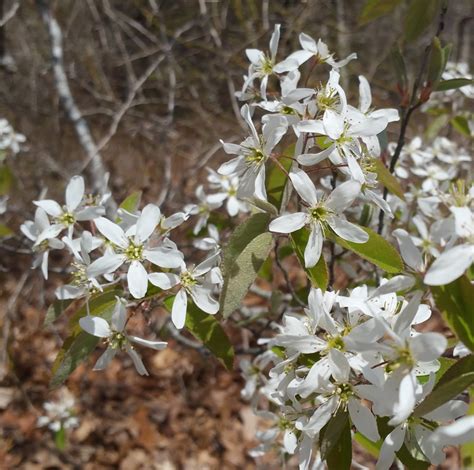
(187, 280)
(318, 213)
(327, 98)
(66, 219)
(335, 342)
(266, 66)
(255, 157)
(344, 391)
(117, 341)
(134, 252)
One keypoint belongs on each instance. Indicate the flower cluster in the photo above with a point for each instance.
(360, 355)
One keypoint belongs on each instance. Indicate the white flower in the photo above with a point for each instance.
(262, 65)
(73, 211)
(202, 210)
(196, 282)
(253, 153)
(320, 215)
(133, 247)
(342, 133)
(311, 48)
(117, 340)
(83, 283)
(59, 414)
(227, 187)
(43, 234)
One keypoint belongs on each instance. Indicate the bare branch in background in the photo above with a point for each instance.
(97, 171)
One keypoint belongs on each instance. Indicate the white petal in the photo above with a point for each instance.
(158, 345)
(137, 279)
(74, 193)
(206, 265)
(274, 40)
(111, 231)
(404, 319)
(136, 359)
(105, 358)
(164, 257)
(105, 265)
(391, 444)
(365, 95)
(427, 347)
(119, 317)
(320, 417)
(347, 230)
(95, 326)
(163, 280)
(340, 368)
(254, 55)
(333, 124)
(308, 43)
(314, 247)
(406, 400)
(147, 222)
(450, 265)
(395, 284)
(304, 186)
(343, 196)
(203, 299)
(308, 159)
(363, 419)
(290, 441)
(50, 207)
(178, 312)
(288, 223)
(459, 432)
(410, 253)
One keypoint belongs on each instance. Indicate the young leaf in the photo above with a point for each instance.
(377, 250)
(373, 448)
(244, 255)
(276, 180)
(131, 202)
(453, 84)
(461, 124)
(318, 275)
(437, 63)
(339, 456)
(331, 433)
(374, 9)
(387, 179)
(419, 16)
(207, 329)
(5, 231)
(456, 379)
(454, 300)
(400, 67)
(79, 344)
(6, 179)
(55, 310)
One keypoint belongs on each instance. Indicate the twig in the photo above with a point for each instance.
(7, 318)
(97, 171)
(287, 279)
(415, 103)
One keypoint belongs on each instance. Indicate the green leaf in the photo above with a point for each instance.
(453, 84)
(6, 180)
(5, 231)
(467, 450)
(131, 202)
(435, 126)
(207, 329)
(456, 380)
(60, 438)
(437, 63)
(377, 250)
(244, 255)
(337, 439)
(399, 65)
(331, 433)
(79, 344)
(318, 275)
(55, 310)
(455, 301)
(276, 178)
(419, 16)
(461, 124)
(374, 9)
(387, 179)
(373, 448)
